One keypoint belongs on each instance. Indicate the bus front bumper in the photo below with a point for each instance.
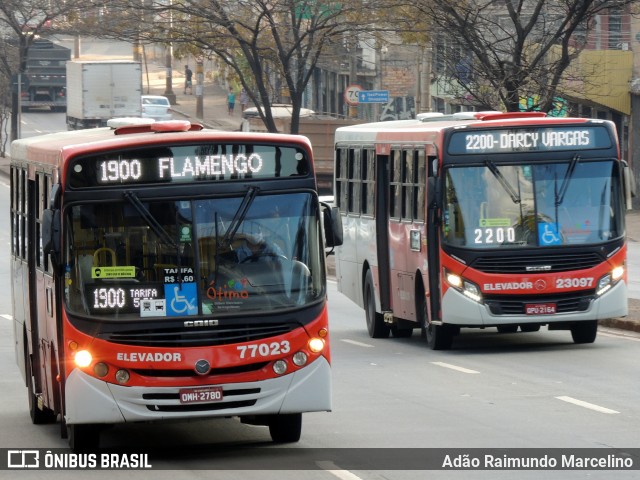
(90, 400)
(458, 309)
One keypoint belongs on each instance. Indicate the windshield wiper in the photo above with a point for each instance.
(565, 182)
(158, 229)
(150, 219)
(239, 215)
(503, 181)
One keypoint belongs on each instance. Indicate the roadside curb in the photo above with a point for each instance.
(630, 323)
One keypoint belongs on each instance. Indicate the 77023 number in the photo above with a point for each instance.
(264, 349)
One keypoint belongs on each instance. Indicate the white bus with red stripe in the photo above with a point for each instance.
(507, 220)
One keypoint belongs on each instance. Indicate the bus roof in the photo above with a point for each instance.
(437, 122)
(57, 147)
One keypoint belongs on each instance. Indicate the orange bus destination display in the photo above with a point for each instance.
(191, 163)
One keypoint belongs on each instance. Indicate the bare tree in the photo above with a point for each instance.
(278, 41)
(267, 45)
(499, 51)
(21, 23)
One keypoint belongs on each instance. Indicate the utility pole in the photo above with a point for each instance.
(425, 80)
(353, 73)
(199, 87)
(168, 90)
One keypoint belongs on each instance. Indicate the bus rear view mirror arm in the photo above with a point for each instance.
(51, 229)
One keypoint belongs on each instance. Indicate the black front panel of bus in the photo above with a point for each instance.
(189, 164)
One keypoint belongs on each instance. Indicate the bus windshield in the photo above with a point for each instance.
(220, 256)
(532, 205)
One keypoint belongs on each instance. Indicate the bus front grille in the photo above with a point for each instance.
(170, 401)
(516, 304)
(201, 407)
(214, 372)
(197, 337)
(537, 263)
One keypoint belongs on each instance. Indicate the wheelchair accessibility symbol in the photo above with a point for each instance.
(548, 234)
(181, 299)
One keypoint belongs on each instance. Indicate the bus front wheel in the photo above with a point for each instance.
(375, 321)
(439, 337)
(285, 428)
(83, 438)
(584, 332)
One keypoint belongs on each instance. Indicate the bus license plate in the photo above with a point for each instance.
(200, 395)
(540, 308)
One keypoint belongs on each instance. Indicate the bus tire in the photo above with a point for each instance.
(398, 332)
(439, 337)
(375, 321)
(285, 428)
(584, 332)
(530, 327)
(83, 437)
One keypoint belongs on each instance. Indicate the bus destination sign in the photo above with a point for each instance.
(170, 168)
(529, 139)
(189, 164)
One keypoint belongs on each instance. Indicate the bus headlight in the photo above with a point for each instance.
(316, 345)
(101, 369)
(617, 273)
(464, 286)
(280, 367)
(122, 376)
(609, 280)
(472, 291)
(300, 359)
(82, 358)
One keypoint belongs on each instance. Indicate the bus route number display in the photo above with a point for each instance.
(104, 298)
(528, 140)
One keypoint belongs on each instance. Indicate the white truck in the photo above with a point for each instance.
(100, 90)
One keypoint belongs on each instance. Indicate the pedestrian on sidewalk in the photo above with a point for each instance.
(231, 100)
(244, 100)
(188, 84)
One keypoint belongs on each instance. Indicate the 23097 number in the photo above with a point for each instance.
(264, 349)
(574, 282)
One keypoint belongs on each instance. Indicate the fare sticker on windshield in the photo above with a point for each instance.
(113, 272)
(495, 222)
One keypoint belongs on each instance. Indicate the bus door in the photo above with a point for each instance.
(382, 228)
(41, 295)
(433, 240)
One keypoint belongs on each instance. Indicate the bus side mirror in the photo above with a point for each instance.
(629, 185)
(332, 223)
(432, 192)
(51, 233)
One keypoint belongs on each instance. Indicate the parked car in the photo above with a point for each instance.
(278, 110)
(156, 107)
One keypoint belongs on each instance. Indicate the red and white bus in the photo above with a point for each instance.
(166, 272)
(507, 220)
